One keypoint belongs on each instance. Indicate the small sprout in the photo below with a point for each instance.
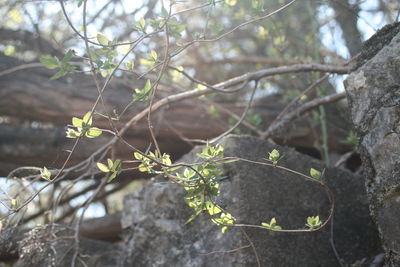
(83, 127)
(224, 220)
(129, 65)
(153, 55)
(274, 156)
(45, 174)
(315, 174)
(14, 202)
(272, 225)
(313, 222)
(113, 167)
(141, 25)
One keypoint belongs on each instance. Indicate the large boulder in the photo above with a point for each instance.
(55, 245)
(156, 234)
(373, 91)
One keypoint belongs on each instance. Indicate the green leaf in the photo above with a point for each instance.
(153, 55)
(116, 165)
(71, 133)
(93, 132)
(164, 12)
(45, 174)
(274, 155)
(315, 174)
(272, 225)
(112, 176)
(231, 2)
(110, 164)
(59, 74)
(147, 86)
(15, 202)
(138, 156)
(87, 119)
(129, 65)
(102, 167)
(212, 208)
(313, 222)
(193, 216)
(103, 40)
(67, 57)
(49, 61)
(77, 122)
(142, 24)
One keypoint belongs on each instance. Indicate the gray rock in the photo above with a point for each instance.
(155, 233)
(374, 96)
(54, 245)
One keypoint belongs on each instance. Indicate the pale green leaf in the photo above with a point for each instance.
(102, 167)
(103, 40)
(88, 118)
(49, 61)
(45, 173)
(93, 132)
(315, 174)
(77, 122)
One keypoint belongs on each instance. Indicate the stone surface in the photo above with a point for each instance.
(155, 233)
(52, 245)
(373, 91)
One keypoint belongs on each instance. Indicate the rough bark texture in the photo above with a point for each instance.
(155, 233)
(347, 17)
(374, 94)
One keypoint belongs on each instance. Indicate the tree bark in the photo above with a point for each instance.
(347, 17)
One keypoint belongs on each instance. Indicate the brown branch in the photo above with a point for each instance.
(275, 128)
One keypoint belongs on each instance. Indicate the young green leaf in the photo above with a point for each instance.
(142, 24)
(231, 2)
(102, 167)
(103, 40)
(59, 74)
(93, 132)
(78, 123)
(116, 166)
(153, 55)
(274, 155)
(272, 225)
(87, 119)
(71, 133)
(15, 202)
(49, 61)
(67, 57)
(147, 86)
(212, 208)
(112, 176)
(313, 222)
(110, 164)
(138, 156)
(45, 174)
(315, 174)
